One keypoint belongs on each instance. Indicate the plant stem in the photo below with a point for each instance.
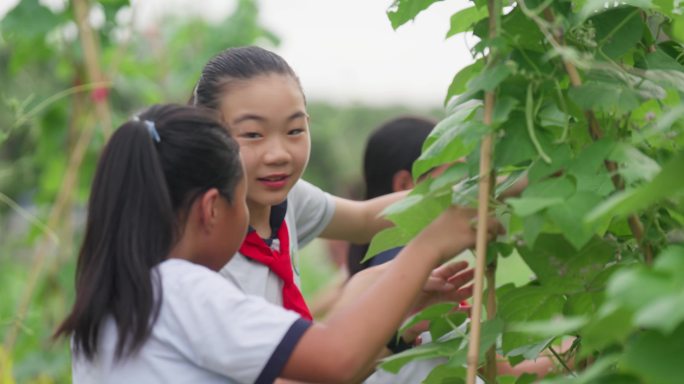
(490, 357)
(561, 361)
(484, 193)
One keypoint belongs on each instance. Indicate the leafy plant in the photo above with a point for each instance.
(584, 98)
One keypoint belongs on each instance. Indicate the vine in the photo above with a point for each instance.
(588, 107)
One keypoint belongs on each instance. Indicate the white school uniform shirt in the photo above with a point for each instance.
(208, 331)
(308, 210)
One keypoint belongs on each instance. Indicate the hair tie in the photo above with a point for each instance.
(151, 128)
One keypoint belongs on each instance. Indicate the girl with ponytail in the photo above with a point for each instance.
(167, 210)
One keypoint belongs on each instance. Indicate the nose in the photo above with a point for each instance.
(277, 153)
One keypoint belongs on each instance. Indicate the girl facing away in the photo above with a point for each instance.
(167, 210)
(259, 97)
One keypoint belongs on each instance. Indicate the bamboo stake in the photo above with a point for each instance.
(46, 247)
(635, 224)
(484, 193)
(490, 358)
(481, 243)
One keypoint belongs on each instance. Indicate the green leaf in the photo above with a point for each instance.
(387, 239)
(458, 140)
(402, 205)
(30, 20)
(560, 155)
(557, 187)
(559, 266)
(447, 323)
(661, 60)
(589, 169)
(664, 313)
(459, 83)
(525, 304)
(554, 327)
(532, 227)
(394, 363)
(592, 7)
(525, 206)
(451, 176)
(430, 313)
(633, 165)
(569, 217)
(446, 374)
(490, 78)
(403, 11)
(618, 30)
(409, 220)
(605, 97)
(515, 146)
(462, 20)
(612, 325)
(667, 183)
(656, 358)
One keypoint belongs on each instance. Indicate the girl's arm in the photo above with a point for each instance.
(337, 350)
(359, 221)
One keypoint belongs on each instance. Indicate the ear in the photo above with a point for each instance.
(208, 209)
(402, 181)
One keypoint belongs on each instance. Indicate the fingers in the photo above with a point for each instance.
(458, 294)
(461, 279)
(449, 269)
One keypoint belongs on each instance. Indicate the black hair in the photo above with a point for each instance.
(392, 147)
(149, 174)
(236, 64)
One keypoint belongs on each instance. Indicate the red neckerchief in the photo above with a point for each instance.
(280, 263)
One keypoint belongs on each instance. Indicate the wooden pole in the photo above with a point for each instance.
(484, 193)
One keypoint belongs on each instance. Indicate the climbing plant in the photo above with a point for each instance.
(583, 99)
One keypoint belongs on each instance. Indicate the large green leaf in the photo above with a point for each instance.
(457, 141)
(459, 83)
(605, 97)
(410, 219)
(514, 147)
(403, 11)
(569, 217)
(525, 304)
(462, 20)
(558, 265)
(633, 165)
(394, 363)
(490, 78)
(592, 7)
(655, 357)
(668, 183)
(618, 30)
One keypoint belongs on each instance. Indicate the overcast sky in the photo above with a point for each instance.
(346, 50)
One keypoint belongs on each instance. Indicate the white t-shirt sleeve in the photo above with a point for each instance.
(221, 329)
(313, 209)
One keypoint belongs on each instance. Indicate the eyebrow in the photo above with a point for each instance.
(251, 116)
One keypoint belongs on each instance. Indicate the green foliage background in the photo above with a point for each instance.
(42, 113)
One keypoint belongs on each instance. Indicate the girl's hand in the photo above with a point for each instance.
(447, 283)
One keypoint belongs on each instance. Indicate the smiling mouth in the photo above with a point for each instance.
(275, 181)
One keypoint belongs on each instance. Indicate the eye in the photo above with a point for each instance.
(250, 135)
(296, 131)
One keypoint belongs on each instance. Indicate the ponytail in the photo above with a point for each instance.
(151, 170)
